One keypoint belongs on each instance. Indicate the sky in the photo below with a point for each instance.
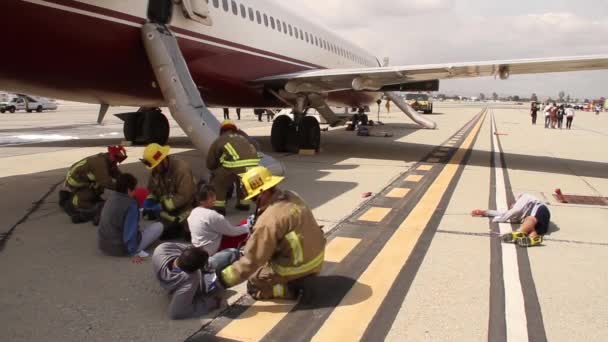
(448, 31)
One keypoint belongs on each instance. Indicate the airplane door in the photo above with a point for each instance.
(196, 10)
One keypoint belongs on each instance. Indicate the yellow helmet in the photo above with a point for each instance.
(226, 125)
(258, 179)
(154, 154)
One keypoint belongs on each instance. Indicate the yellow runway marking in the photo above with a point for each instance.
(424, 168)
(433, 160)
(351, 317)
(413, 178)
(375, 214)
(338, 248)
(398, 193)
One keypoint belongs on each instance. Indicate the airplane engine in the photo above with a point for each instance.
(504, 72)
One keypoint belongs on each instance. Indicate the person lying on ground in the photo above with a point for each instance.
(119, 233)
(188, 274)
(207, 227)
(528, 210)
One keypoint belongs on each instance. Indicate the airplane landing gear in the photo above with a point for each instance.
(289, 136)
(147, 126)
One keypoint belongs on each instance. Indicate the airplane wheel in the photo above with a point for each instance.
(282, 129)
(309, 134)
(146, 127)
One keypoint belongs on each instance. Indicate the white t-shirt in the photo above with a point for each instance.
(570, 112)
(547, 109)
(207, 228)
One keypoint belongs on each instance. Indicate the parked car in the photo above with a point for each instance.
(27, 103)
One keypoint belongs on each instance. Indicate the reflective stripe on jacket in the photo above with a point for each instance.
(232, 150)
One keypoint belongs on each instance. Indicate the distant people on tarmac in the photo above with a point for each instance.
(287, 244)
(172, 191)
(598, 109)
(569, 117)
(226, 114)
(238, 113)
(553, 115)
(208, 228)
(547, 111)
(119, 233)
(230, 155)
(534, 112)
(188, 274)
(86, 182)
(561, 112)
(269, 115)
(528, 210)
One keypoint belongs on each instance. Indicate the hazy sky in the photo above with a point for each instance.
(439, 31)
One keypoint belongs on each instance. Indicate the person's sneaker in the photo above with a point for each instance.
(527, 241)
(511, 237)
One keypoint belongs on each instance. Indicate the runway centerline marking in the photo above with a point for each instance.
(339, 247)
(424, 168)
(515, 313)
(351, 317)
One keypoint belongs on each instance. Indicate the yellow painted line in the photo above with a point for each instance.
(424, 168)
(433, 160)
(338, 248)
(398, 193)
(413, 178)
(351, 317)
(375, 214)
(257, 321)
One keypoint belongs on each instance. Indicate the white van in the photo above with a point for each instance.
(27, 103)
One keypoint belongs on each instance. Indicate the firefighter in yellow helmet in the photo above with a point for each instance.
(86, 181)
(286, 244)
(172, 190)
(230, 154)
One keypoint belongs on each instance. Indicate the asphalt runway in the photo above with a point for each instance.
(407, 263)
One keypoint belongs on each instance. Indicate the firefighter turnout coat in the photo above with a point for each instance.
(88, 178)
(174, 190)
(286, 244)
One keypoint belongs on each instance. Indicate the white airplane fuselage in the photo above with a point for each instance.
(91, 51)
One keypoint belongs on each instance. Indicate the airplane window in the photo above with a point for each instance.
(285, 27)
(225, 5)
(258, 16)
(290, 30)
(316, 41)
(251, 15)
(296, 29)
(235, 8)
(243, 11)
(265, 20)
(301, 35)
(279, 26)
(272, 24)
(216, 3)
(306, 34)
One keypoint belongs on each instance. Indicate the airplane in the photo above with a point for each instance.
(239, 53)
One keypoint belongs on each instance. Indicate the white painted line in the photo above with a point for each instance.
(515, 312)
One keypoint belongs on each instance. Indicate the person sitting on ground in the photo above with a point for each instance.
(209, 228)
(119, 233)
(188, 273)
(528, 210)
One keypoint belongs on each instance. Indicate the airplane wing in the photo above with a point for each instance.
(386, 78)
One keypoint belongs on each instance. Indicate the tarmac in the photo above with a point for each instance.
(407, 263)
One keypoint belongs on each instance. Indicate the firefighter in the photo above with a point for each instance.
(172, 191)
(86, 181)
(287, 244)
(230, 155)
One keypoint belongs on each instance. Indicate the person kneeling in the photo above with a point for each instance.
(188, 274)
(533, 215)
(286, 245)
(119, 233)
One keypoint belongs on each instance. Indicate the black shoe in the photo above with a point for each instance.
(64, 197)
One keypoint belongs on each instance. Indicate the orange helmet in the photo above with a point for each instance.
(117, 153)
(227, 125)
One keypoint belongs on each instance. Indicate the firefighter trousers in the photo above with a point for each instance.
(222, 180)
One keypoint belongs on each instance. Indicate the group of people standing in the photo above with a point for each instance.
(205, 254)
(554, 115)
